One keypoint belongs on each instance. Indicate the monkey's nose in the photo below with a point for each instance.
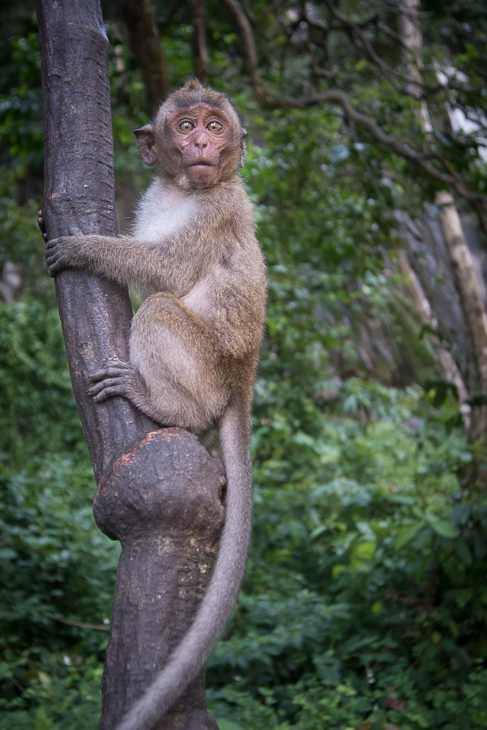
(201, 141)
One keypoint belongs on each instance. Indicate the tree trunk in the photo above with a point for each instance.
(158, 491)
(201, 58)
(472, 304)
(137, 25)
(459, 253)
(450, 369)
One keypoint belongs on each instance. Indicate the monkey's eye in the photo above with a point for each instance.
(186, 126)
(214, 126)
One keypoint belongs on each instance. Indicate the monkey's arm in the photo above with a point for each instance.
(150, 265)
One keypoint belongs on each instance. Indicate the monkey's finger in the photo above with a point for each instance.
(52, 262)
(53, 267)
(53, 243)
(42, 225)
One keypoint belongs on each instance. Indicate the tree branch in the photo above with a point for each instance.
(354, 117)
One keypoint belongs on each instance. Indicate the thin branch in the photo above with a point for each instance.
(369, 124)
(354, 117)
(457, 8)
(80, 624)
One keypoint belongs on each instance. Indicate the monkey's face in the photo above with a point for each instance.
(200, 146)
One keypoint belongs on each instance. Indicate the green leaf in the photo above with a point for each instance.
(441, 527)
(406, 535)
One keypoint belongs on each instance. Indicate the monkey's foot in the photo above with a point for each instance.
(118, 378)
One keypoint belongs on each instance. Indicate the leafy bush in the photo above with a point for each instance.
(362, 601)
(57, 569)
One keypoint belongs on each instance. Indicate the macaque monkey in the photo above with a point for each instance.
(194, 342)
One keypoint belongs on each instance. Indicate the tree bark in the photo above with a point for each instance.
(158, 491)
(137, 24)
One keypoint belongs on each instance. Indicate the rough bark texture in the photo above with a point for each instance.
(137, 24)
(159, 492)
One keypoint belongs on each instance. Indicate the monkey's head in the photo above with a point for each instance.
(196, 138)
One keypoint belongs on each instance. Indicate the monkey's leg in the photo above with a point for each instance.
(121, 378)
(175, 375)
(181, 362)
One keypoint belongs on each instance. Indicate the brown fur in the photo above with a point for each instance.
(194, 341)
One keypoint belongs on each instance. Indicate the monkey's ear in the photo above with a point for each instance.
(147, 144)
(243, 135)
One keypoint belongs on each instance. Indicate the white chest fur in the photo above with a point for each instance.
(162, 213)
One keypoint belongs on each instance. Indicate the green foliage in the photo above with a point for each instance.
(20, 107)
(37, 410)
(361, 600)
(55, 564)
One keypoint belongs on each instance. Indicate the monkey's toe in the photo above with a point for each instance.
(112, 370)
(99, 387)
(108, 393)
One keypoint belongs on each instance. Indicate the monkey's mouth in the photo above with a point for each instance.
(201, 163)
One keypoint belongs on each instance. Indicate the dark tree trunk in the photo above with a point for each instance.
(157, 488)
(201, 58)
(137, 24)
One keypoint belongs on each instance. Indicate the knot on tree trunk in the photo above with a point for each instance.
(153, 497)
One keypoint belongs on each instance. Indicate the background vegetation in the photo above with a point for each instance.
(365, 600)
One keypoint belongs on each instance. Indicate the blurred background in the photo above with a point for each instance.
(365, 599)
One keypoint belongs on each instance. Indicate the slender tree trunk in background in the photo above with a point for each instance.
(137, 24)
(459, 253)
(410, 31)
(199, 46)
(472, 304)
(447, 362)
(159, 492)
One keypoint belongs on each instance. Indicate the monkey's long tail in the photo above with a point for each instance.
(190, 656)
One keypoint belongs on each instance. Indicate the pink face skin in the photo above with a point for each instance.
(196, 140)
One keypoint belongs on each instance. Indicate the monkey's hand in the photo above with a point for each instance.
(60, 254)
(117, 378)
